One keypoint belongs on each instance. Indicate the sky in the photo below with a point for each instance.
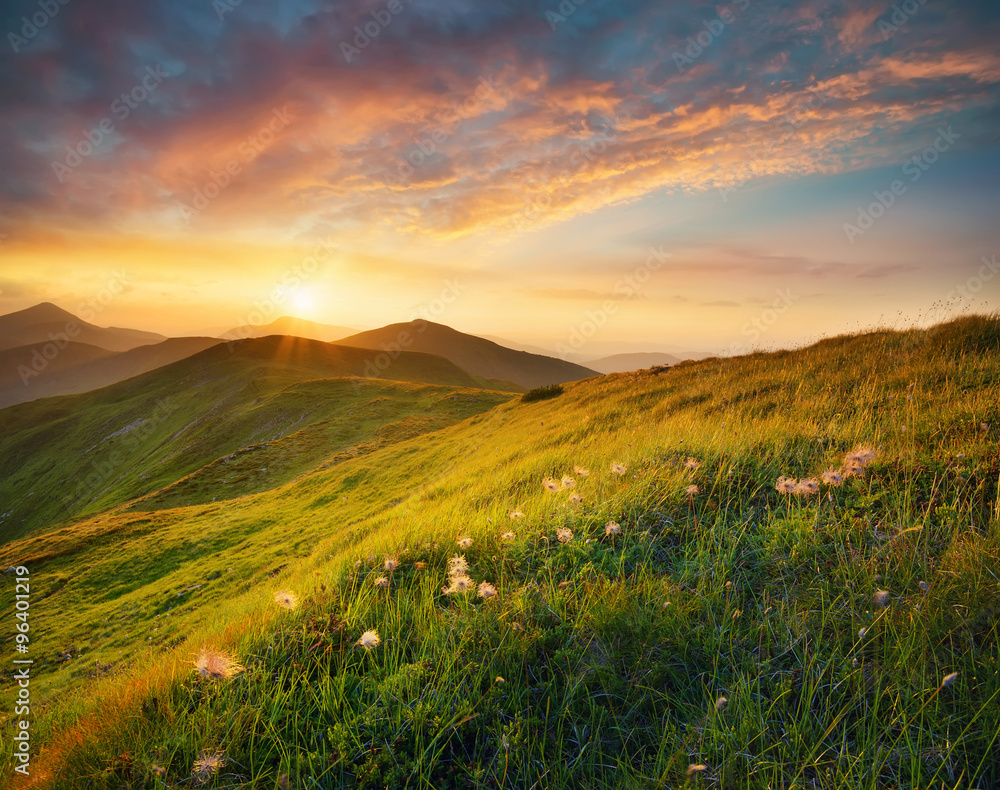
(593, 176)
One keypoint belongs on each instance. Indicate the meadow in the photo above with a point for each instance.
(780, 570)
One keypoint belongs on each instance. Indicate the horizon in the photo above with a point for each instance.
(700, 177)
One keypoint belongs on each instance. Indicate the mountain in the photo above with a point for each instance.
(474, 354)
(654, 614)
(256, 412)
(46, 323)
(287, 325)
(622, 363)
(26, 374)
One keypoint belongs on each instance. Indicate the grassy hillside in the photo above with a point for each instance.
(475, 354)
(667, 618)
(253, 414)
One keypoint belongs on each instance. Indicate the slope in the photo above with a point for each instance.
(681, 616)
(67, 456)
(80, 368)
(47, 323)
(474, 354)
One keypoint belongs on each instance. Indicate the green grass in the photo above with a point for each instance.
(613, 649)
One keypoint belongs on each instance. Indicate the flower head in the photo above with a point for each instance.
(612, 528)
(369, 640)
(507, 537)
(551, 485)
(807, 486)
(619, 469)
(692, 490)
(575, 498)
(881, 597)
(851, 468)
(381, 582)
(568, 482)
(862, 455)
(691, 463)
(457, 564)
(832, 477)
(948, 680)
(580, 471)
(286, 599)
(516, 514)
(207, 765)
(420, 565)
(216, 664)
(720, 703)
(459, 583)
(465, 543)
(564, 534)
(786, 485)
(391, 563)
(486, 590)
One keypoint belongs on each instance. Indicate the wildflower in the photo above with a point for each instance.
(612, 528)
(207, 765)
(580, 471)
(881, 597)
(217, 664)
(575, 498)
(391, 563)
(618, 469)
(551, 485)
(852, 468)
(460, 583)
(862, 454)
(832, 477)
(949, 679)
(692, 490)
(486, 590)
(457, 565)
(382, 582)
(807, 486)
(692, 769)
(786, 485)
(286, 599)
(515, 514)
(369, 640)
(692, 463)
(861, 633)
(923, 586)
(568, 482)
(720, 703)
(564, 534)
(507, 537)
(464, 543)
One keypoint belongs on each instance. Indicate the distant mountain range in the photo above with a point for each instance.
(47, 323)
(286, 325)
(474, 354)
(47, 351)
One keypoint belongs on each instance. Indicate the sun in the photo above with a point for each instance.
(303, 301)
